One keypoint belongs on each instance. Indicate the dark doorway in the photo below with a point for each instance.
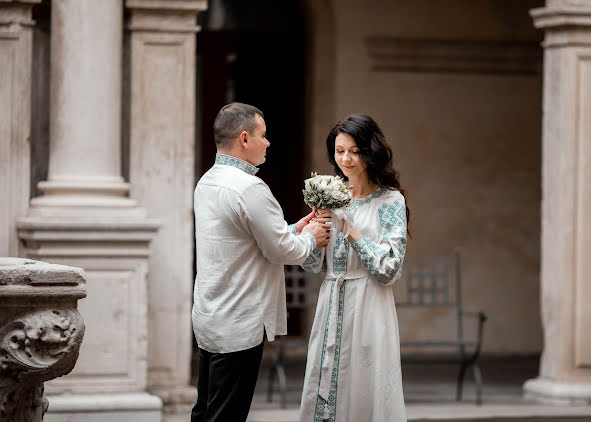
(253, 52)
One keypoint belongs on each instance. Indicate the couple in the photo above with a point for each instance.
(353, 367)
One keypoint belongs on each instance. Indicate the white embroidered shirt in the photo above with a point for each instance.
(242, 243)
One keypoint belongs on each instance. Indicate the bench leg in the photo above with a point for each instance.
(460, 381)
(478, 382)
(272, 371)
(282, 385)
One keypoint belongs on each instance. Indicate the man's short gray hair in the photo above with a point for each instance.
(232, 119)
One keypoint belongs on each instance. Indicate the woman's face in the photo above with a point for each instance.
(347, 156)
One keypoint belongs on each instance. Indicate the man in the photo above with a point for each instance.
(242, 244)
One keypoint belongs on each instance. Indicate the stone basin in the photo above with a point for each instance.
(40, 332)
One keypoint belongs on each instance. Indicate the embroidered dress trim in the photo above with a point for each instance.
(392, 216)
(228, 160)
(340, 254)
(371, 253)
(358, 203)
(327, 409)
(320, 402)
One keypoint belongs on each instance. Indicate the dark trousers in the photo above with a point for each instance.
(226, 385)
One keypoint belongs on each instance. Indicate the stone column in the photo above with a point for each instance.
(86, 219)
(161, 149)
(565, 372)
(85, 109)
(40, 332)
(16, 48)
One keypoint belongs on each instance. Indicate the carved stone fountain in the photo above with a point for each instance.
(40, 332)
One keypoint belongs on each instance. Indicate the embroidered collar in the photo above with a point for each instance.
(228, 160)
(358, 203)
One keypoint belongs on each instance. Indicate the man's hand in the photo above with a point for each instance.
(319, 231)
(305, 220)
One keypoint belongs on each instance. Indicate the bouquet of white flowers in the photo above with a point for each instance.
(330, 193)
(326, 192)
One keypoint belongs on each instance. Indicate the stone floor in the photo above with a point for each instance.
(430, 395)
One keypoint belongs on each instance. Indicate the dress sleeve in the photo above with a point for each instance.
(316, 262)
(383, 258)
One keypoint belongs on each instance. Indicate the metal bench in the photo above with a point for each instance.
(432, 287)
(301, 288)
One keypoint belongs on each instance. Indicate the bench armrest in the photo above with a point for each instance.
(481, 320)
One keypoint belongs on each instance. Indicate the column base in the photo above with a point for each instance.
(179, 399)
(557, 392)
(64, 194)
(133, 407)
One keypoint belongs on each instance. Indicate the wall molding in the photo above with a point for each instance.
(389, 54)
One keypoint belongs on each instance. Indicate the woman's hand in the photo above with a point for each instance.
(324, 216)
(305, 220)
(354, 234)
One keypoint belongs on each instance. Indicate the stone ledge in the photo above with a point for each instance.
(176, 5)
(70, 403)
(389, 54)
(19, 271)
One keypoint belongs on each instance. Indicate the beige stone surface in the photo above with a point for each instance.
(161, 172)
(114, 256)
(16, 50)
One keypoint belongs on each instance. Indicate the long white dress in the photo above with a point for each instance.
(353, 367)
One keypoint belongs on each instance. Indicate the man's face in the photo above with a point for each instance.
(258, 143)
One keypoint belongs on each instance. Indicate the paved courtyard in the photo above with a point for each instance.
(430, 395)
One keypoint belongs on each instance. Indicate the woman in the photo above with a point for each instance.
(353, 368)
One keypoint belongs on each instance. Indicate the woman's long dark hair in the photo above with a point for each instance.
(374, 151)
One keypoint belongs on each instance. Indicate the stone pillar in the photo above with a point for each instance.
(16, 48)
(565, 372)
(40, 332)
(161, 149)
(85, 109)
(86, 219)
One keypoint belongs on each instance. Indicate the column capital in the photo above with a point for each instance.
(164, 15)
(567, 24)
(16, 13)
(562, 16)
